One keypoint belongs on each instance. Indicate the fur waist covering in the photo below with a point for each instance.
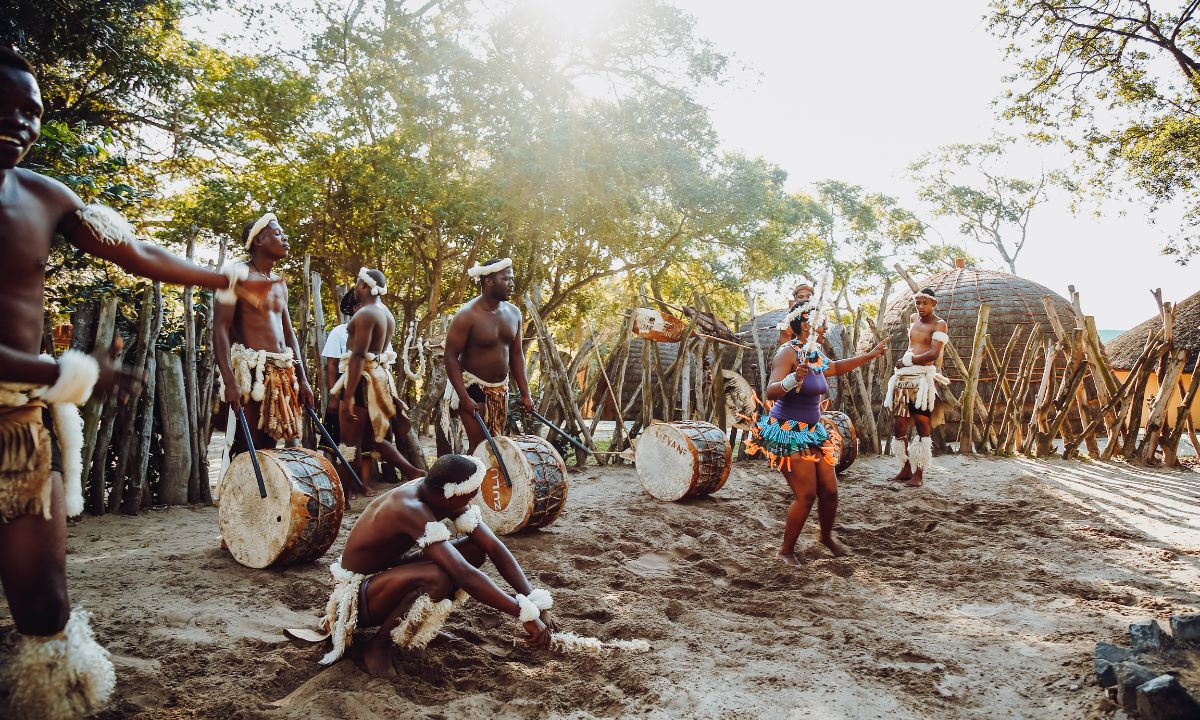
(782, 440)
(916, 385)
(341, 612)
(383, 399)
(268, 378)
(63, 676)
(25, 450)
(494, 409)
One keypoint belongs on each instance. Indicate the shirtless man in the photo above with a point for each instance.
(58, 670)
(256, 350)
(913, 390)
(401, 572)
(369, 404)
(483, 348)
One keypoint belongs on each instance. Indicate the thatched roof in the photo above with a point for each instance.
(1124, 349)
(1015, 303)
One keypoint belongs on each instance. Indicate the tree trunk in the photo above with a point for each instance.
(127, 427)
(175, 483)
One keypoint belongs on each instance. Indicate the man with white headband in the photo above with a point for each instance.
(913, 392)
(369, 404)
(56, 669)
(256, 349)
(413, 556)
(483, 349)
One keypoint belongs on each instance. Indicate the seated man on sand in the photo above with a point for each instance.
(404, 571)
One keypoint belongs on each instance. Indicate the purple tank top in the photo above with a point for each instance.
(804, 402)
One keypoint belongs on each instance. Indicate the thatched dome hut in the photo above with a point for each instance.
(1015, 303)
(1124, 349)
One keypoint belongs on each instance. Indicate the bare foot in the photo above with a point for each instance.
(836, 547)
(916, 480)
(224, 545)
(378, 661)
(789, 558)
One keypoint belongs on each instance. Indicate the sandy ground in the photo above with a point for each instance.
(980, 595)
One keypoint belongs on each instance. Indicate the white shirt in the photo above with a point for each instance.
(337, 343)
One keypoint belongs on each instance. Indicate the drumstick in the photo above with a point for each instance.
(262, 486)
(495, 450)
(312, 415)
(578, 445)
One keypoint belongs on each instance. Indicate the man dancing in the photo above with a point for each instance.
(256, 350)
(912, 392)
(402, 572)
(367, 383)
(483, 348)
(57, 670)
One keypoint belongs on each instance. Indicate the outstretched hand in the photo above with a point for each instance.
(255, 290)
(114, 376)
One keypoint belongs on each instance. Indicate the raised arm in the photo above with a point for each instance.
(842, 367)
(516, 367)
(456, 342)
(783, 367)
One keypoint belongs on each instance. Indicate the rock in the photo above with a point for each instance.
(1163, 698)
(1129, 676)
(1186, 627)
(1146, 636)
(1112, 653)
(1106, 674)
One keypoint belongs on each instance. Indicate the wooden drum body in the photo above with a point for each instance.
(539, 484)
(683, 459)
(298, 519)
(840, 421)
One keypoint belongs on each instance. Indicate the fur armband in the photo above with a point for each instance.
(529, 611)
(77, 375)
(471, 484)
(541, 599)
(435, 532)
(468, 521)
(941, 337)
(236, 272)
(108, 224)
(907, 360)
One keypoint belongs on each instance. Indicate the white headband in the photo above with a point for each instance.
(370, 281)
(259, 224)
(803, 308)
(925, 295)
(479, 271)
(471, 484)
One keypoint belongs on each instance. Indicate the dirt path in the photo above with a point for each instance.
(980, 595)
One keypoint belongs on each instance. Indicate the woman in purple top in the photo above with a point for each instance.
(792, 435)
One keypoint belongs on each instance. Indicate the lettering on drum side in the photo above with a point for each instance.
(495, 490)
(670, 442)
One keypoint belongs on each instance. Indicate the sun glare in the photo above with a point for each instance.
(573, 18)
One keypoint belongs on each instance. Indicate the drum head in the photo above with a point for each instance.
(508, 509)
(297, 520)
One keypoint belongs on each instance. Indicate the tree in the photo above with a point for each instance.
(961, 182)
(1119, 82)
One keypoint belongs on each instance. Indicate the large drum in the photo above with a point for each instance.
(298, 519)
(840, 421)
(682, 459)
(539, 484)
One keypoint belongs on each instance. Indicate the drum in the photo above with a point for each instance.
(298, 519)
(539, 484)
(840, 421)
(682, 459)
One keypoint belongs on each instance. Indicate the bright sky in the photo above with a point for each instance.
(858, 90)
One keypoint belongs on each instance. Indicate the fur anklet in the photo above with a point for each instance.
(60, 677)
